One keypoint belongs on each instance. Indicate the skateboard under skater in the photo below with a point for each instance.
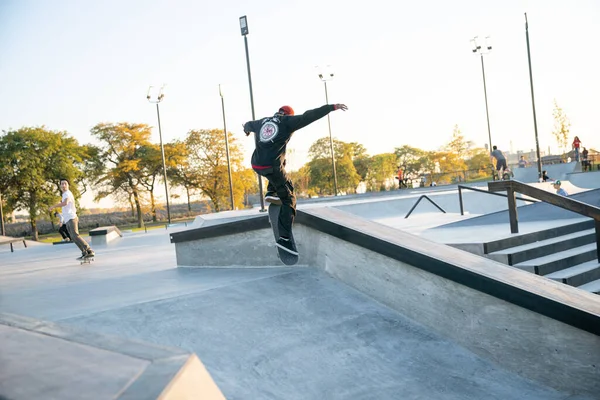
(284, 256)
(86, 260)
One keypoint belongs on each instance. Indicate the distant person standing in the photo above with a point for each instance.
(559, 191)
(69, 215)
(400, 177)
(523, 162)
(500, 161)
(576, 144)
(584, 159)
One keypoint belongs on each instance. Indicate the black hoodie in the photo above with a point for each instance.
(272, 135)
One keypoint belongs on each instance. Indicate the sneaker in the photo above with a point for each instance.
(287, 245)
(272, 198)
(90, 253)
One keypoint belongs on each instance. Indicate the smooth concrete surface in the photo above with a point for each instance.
(555, 353)
(262, 333)
(588, 180)
(44, 360)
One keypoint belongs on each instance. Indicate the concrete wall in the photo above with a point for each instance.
(250, 249)
(537, 347)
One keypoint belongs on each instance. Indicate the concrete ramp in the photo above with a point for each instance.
(554, 171)
(43, 360)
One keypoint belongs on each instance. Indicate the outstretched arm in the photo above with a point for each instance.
(310, 116)
(250, 127)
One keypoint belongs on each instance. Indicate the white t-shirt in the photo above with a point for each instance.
(69, 211)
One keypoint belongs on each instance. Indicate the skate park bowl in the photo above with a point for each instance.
(370, 311)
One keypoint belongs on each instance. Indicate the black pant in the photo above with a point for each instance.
(64, 232)
(280, 183)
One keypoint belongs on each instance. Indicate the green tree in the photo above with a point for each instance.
(32, 161)
(458, 145)
(562, 127)
(478, 163)
(321, 169)
(382, 170)
(208, 162)
(413, 160)
(181, 173)
(121, 151)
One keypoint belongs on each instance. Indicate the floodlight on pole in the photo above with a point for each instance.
(327, 77)
(244, 31)
(476, 47)
(158, 99)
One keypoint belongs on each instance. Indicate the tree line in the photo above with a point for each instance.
(127, 167)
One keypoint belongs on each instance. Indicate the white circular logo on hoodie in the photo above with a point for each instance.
(268, 132)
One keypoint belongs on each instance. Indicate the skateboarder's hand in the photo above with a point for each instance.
(342, 107)
(244, 128)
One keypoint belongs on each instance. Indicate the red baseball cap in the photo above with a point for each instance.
(286, 110)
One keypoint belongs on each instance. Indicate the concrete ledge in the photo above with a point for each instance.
(104, 234)
(249, 224)
(46, 360)
(500, 313)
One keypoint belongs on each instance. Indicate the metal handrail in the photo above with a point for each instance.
(579, 207)
(418, 201)
(460, 200)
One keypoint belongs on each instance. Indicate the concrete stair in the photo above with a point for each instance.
(565, 254)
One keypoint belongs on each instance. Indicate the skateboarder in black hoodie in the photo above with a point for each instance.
(272, 135)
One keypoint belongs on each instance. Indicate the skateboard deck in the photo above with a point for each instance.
(284, 256)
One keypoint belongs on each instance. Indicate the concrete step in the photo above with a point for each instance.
(593, 286)
(513, 241)
(555, 262)
(577, 275)
(518, 254)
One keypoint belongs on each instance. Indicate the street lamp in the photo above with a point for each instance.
(537, 143)
(244, 31)
(325, 78)
(160, 97)
(476, 48)
(227, 148)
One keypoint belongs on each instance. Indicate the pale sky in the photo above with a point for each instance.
(404, 68)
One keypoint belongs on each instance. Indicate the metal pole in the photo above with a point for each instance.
(162, 152)
(537, 143)
(335, 185)
(260, 185)
(2, 216)
(487, 114)
(227, 152)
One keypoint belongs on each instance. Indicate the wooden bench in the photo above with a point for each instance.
(11, 240)
(104, 234)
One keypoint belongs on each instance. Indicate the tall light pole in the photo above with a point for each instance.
(227, 149)
(160, 97)
(537, 143)
(325, 78)
(244, 30)
(476, 48)
(1, 218)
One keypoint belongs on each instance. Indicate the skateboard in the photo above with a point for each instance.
(86, 260)
(284, 256)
